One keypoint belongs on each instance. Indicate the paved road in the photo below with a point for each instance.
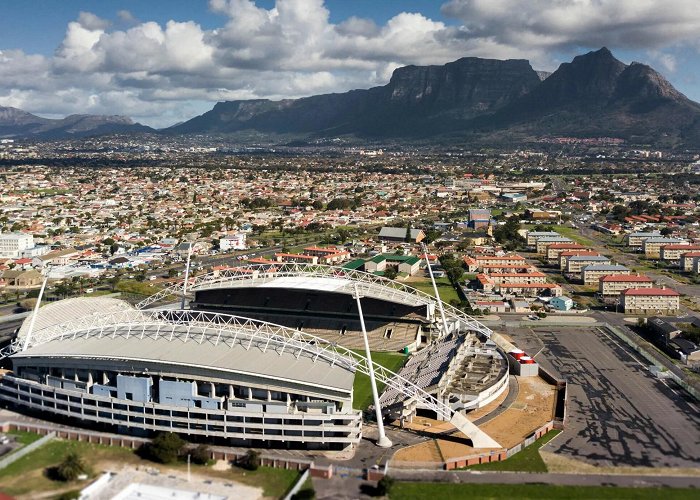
(618, 413)
(483, 477)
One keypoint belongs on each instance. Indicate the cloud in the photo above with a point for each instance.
(164, 73)
(631, 24)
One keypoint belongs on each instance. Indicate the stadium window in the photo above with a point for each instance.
(300, 326)
(388, 332)
(343, 330)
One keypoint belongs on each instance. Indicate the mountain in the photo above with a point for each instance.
(596, 95)
(17, 123)
(487, 100)
(416, 99)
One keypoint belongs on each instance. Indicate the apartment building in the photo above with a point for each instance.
(12, 245)
(652, 246)
(532, 236)
(564, 256)
(529, 278)
(649, 301)
(530, 289)
(688, 260)
(591, 274)
(672, 253)
(612, 284)
(635, 240)
(576, 263)
(552, 251)
(544, 241)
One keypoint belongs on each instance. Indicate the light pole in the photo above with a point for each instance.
(382, 441)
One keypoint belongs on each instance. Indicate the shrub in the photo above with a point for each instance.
(251, 460)
(384, 486)
(165, 448)
(200, 455)
(70, 468)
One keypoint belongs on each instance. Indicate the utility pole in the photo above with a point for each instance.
(382, 441)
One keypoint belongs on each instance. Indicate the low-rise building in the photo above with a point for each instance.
(652, 246)
(56, 258)
(612, 284)
(398, 234)
(296, 257)
(553, 251)
(481, 262)
(544, 241)
(672, 253)
(650, 301)
(532, 277)
(532, 236)
(530, 289)
(592, 273)
(636, 239)
(688, 259)
(22, 279)
(408, 264)
(576, 263)
(562, 303)
(235, 241)
(564, 256)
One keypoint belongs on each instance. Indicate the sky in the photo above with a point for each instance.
(161, 62)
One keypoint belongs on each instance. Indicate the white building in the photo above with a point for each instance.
(13, 244)
(235, 241)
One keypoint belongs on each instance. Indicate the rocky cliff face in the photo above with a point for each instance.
(414, 97)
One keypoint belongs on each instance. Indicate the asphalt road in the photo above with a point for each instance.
(619, 414)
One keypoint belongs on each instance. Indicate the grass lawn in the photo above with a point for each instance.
(573, 234)
(362, 390)
(138, 287)
(24, 437)
(445, 288)
(526, 460)
(274, 482)
(26, 475)
(447, 491)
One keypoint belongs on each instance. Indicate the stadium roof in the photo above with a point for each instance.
(64, 310)
(231, 358)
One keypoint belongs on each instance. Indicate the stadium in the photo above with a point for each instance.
(256, 355)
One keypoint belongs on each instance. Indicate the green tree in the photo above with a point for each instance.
(165, 448)
(201, 454)
(250, 461)
(391, 273)
(384, 486)
(71, 467)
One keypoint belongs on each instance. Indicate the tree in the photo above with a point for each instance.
(71, 467)
(384, 486)
(250, 461)
(165, 448)
(391, 273)
(201, 454)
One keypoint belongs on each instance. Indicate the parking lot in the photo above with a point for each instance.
(619, 414)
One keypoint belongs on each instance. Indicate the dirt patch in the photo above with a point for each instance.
(427, 451)
(565, 465)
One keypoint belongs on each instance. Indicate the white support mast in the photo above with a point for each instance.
(435, 289)
(382, 441)
(187, 277)
(28, 337)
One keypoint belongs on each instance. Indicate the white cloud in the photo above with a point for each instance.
(166, 73)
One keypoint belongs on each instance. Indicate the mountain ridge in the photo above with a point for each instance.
(470, 100)
(15, 122)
